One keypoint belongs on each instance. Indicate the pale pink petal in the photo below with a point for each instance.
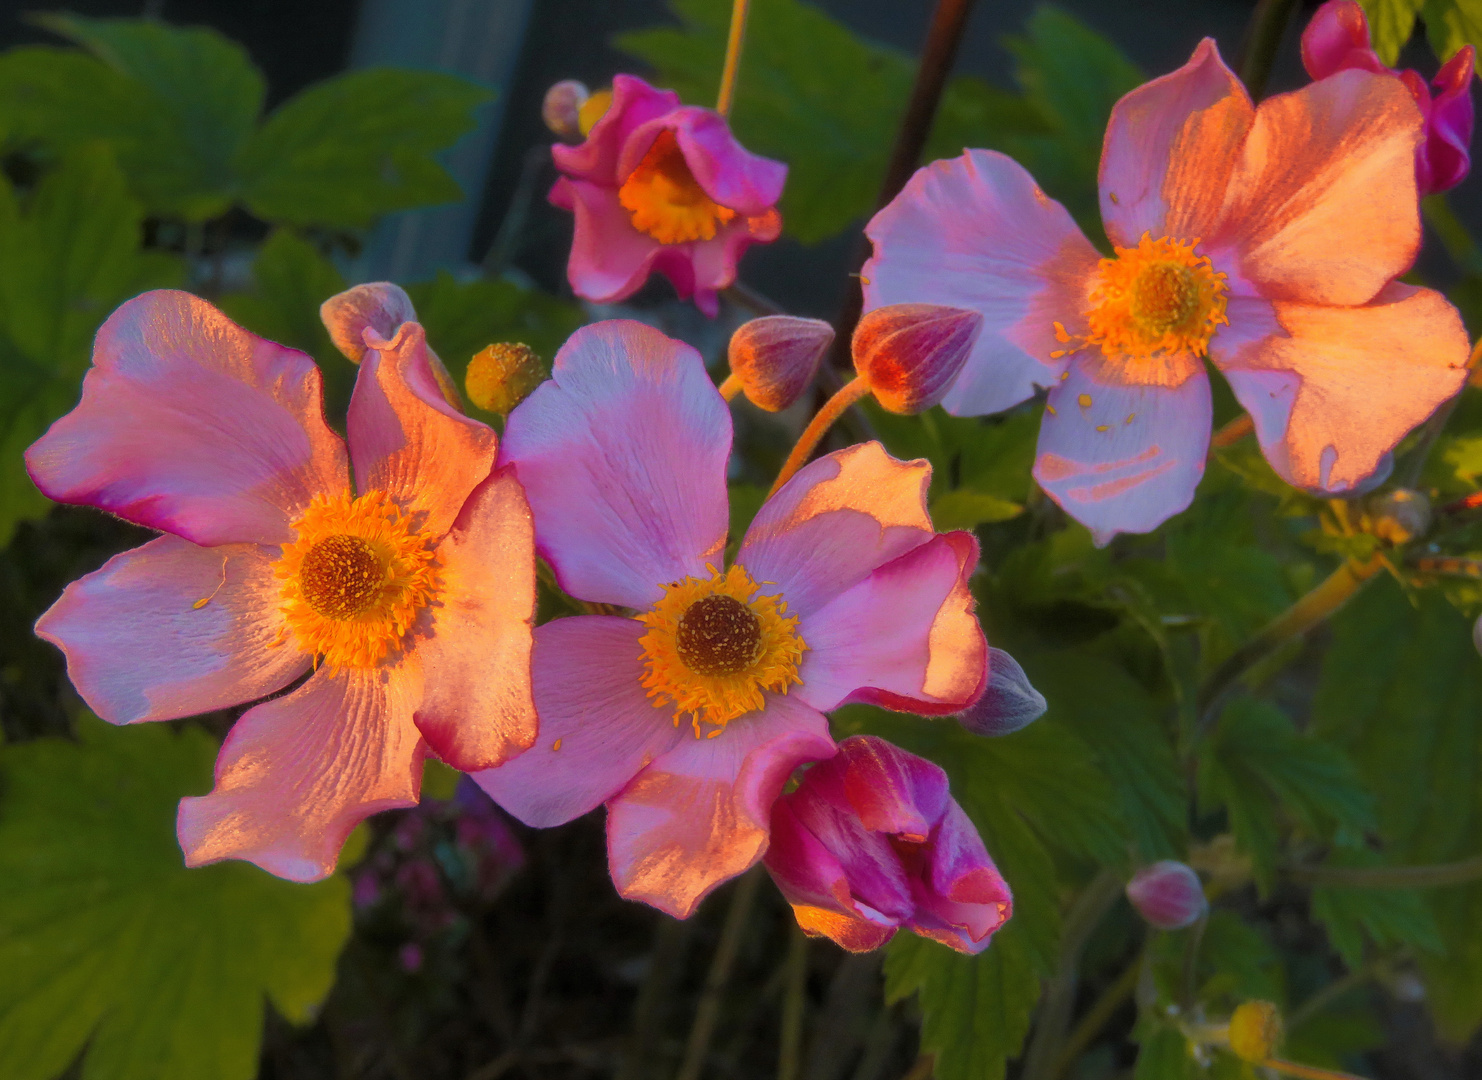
(377, 306)
(1122, 458)
(297, 773)
(476, 709)
(1335, 389)
(139, 648)
(977, 233)
(699, 814)
(610, 260)
(905, 637)
(1170, 145)
(622, 455)
(192, 425)
(598, 726)
(1321, 207)
(407, 441)
(834, 523)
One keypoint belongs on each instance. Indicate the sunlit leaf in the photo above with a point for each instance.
(1391, 22)
(1450, 24)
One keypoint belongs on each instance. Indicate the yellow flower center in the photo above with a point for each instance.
(713, 645)
(664, 200)
(354, 577)
(1153, 311)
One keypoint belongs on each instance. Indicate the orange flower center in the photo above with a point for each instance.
(664, 200)
(1153, 311)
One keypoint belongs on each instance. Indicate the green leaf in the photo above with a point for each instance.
(351, 148)
(1454, 976)
(975, 1009)
(963, 509)
(66, 259)
(107, 940)
(1255, 763)
(1383, 916)
(1165, 1055)
(1450, 24)
(1391, 22)
(203, 100)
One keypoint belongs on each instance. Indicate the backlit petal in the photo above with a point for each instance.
(726, 171)
(190, 424)
(139, 648)
(623, 458)
(476, 709)
(297, 773)
(610, 260)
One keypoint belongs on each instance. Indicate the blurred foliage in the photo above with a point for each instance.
(108, 942)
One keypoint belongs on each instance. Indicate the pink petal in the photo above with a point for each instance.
(699, 814)
(834, 523)
(598, 726)
(406, 440)
(1446, 158)
(138, 647)
(297, 773)
(192, 425)
(476, 710)
(1321, 206)
(905, 637)
(892, 791)
(706, 266)
(1170, 145)
(1131, 456)
(976, 232)
(634, 103)
(1336, 38)
(378, 306)
(623, 458)
(610, 260)
(726, 171)
(1337, 388)
(964, 899)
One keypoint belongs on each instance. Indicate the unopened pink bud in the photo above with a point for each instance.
(1009, 701)
(561, 109)
(1167, 894)
(776, 358)
(910, 353)
(1336, 39)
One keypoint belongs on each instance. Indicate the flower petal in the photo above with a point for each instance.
(192, 425)
(406, 440)
(891, 790)
(965, 899)
(598, 726)
(977, 233)
(476, 709)
(726, 171)
(377, 306)
(1321, 206)
(610, 260)
(1170, 145)
(139, 648)
(905, 637)
(634, 103)
(699, 814)
(834, 523)
(623, 458)
(1335, 389)
(710, 265)
(1122, 458)
(297, 773)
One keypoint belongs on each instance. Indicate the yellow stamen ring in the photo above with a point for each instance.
(713, 645)
(354, 578)
(665, 201)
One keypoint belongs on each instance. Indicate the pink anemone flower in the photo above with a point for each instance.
(1337, 39)
(660, 186)
(411, 601)
(871, 841)
(1267, 239)
(687, 715)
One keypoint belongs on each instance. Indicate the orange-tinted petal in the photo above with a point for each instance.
(1169, 149)
(1321, 207)
(1342, 386)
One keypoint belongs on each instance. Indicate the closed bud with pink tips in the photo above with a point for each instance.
(872, 841)
(775, 358)
(1167, 894)
(910, 353)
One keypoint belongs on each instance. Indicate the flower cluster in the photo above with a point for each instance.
(394, 571)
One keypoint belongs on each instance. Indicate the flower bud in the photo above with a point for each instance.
(1400, 516)
(561, 109)
(1255, 1031)
(1168, 895)
(592, 110)
(502, 375)
(910, 353)
(1008, 703)
(379, 306)
(776, 357)
(872, 840)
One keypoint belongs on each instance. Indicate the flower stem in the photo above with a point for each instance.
(1389, 877)
(734, 42)
(794, 1000)
(730, 387)
(1096, 1017)
(708, 1011)
(808, 441)
(1305, 1072)
(1263, 36)
(1302, 616)
(1232, 433)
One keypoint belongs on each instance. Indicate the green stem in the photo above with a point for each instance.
(1096, 1017)
(734, 42)
(1302, 616)
(794, 1001)
(1389, 877)
(1333, 991)
(1267, 27)
(708, 1011)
